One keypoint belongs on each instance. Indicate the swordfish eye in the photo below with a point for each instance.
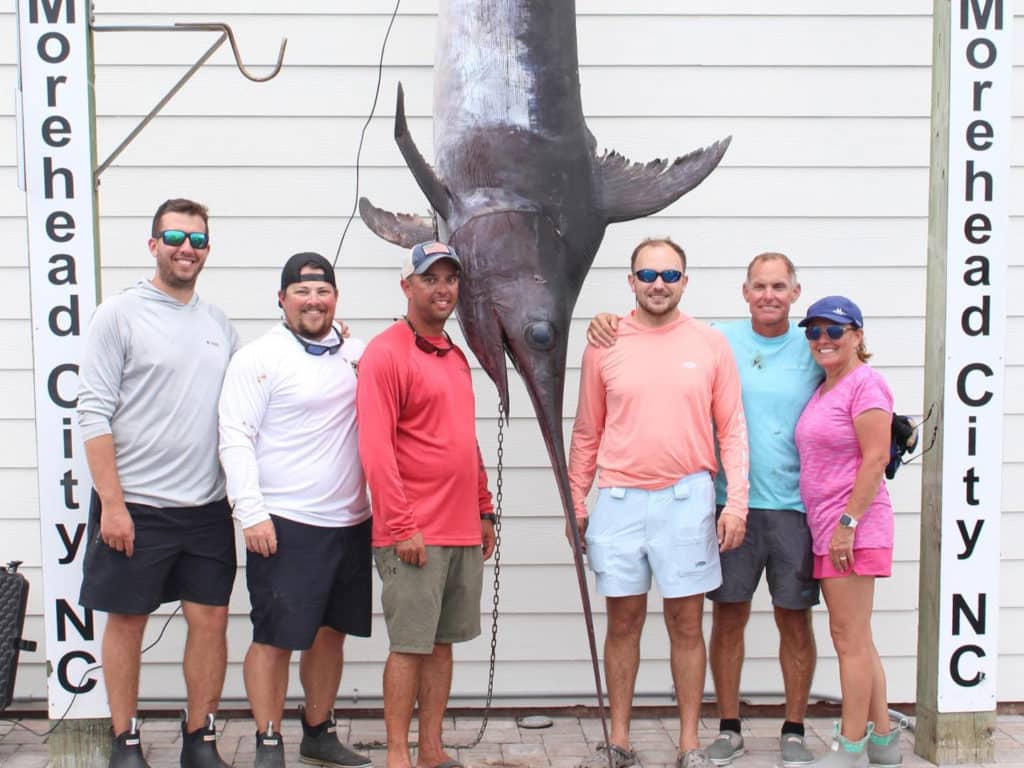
(540, 335)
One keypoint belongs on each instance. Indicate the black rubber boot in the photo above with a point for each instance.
(199, 748)
(320, 746)
(269, 749)
(126, 749)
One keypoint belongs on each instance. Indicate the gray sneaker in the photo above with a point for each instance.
(619, 757)
(794, 750)
(694, 758)
(884, 751)
(843, 753)
(726, 747)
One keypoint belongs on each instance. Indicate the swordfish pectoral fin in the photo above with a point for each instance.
(403, 229)
(632, 190)
(435, 190)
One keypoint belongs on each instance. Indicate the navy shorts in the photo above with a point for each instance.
(319, 577)
(778, 544)
(181, 553)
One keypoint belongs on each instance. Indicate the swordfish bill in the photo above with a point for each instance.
(520, 192)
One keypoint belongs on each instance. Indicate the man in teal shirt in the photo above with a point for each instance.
(778, 377)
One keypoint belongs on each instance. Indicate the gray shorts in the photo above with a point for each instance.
(438, 603)
(777, 543)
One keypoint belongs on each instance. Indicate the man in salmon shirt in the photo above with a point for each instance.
(649, 410)
(433, 522)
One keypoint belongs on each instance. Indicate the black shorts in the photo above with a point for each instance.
(181, 553)
(778, 544)
(319, 577)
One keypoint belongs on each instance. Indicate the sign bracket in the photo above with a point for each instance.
(226, 34)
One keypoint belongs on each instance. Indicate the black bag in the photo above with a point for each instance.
(902, 440)
(13, 601)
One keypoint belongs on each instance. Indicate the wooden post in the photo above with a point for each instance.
(80, 743)
(965, 332)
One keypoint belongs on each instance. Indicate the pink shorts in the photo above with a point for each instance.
(866, 562)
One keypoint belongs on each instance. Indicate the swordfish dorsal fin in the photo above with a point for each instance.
(631, 190)
(403, 229)
(435, 190)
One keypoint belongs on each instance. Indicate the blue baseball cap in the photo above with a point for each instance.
(423, 255)
(839, 309)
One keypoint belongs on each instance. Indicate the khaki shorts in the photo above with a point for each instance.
(438, 603)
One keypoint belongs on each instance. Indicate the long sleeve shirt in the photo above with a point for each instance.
(649, 410)
(150, 376)
(417, 441)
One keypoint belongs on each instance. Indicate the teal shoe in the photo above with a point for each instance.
(884, 750)
(844, 753)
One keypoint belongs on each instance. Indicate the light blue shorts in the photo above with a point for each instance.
(670, 532)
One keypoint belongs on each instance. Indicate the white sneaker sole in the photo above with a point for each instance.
(720, 761)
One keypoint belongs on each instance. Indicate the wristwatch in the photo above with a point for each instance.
(848, 522)
(489, 517)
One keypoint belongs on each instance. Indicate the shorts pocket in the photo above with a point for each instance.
(695, 554)
(601, 554)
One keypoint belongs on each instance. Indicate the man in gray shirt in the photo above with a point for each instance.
(160, 526)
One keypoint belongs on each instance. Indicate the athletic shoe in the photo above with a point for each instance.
(619, 758)
(843, 753)
(794, 750)
(884, 751)
(693, 758)
(726, 747)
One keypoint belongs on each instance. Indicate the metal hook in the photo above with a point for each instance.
(226, 29)
(225, 33)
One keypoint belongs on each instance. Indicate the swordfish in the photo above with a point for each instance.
(518, 189)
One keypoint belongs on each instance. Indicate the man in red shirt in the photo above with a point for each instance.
(433, 522)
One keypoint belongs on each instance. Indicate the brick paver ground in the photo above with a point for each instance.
(505, 744)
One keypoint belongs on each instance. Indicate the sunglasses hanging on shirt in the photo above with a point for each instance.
(316, 348)
(428, 346)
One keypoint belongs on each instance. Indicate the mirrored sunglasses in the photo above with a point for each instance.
(316, 349)
(666, 275)
(835, 332)
(175, 237)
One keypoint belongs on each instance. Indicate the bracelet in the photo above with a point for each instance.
(489, 517)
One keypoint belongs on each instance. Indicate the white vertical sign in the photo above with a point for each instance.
(980, 97)
(55, 107)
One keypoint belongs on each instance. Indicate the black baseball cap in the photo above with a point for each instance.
(292, 268)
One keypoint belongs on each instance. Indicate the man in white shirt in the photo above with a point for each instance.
(289, 447)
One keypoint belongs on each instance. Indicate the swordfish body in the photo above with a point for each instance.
(519, 191)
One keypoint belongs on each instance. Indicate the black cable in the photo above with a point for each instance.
(93, 668)
(362, 134)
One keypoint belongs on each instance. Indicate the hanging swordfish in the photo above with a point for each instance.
(520, 192)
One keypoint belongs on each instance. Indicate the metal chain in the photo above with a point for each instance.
(498, 494)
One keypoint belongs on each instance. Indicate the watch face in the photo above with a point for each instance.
(847, 522)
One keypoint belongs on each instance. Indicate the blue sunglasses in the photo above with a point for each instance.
(666, 275)
(835, 332)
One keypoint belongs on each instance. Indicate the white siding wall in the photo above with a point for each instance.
(828, 104)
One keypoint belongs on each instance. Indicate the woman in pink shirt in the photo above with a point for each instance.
(843, 440)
